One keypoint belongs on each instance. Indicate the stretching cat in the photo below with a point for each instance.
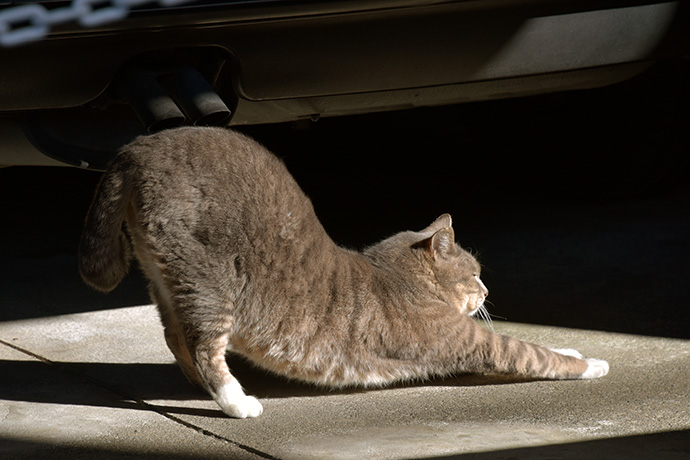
(238, 259)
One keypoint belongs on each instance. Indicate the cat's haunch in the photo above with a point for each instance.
(237, 258)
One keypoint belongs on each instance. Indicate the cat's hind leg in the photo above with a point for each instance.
(174, 336)
(207, 347)
(160, 294)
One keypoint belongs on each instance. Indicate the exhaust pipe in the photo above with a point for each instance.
(150, 102)
(163, 100)
(197, 99)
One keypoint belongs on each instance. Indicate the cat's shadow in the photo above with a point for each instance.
(157, 386)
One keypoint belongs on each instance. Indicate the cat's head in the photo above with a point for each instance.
(455, 271)
(431, 258)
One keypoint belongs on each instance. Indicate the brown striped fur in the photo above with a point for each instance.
(237, 258)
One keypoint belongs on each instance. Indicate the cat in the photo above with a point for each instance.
(238, 260)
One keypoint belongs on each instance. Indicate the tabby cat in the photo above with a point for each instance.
(237, 259)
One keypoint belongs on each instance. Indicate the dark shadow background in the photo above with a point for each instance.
(577, 204)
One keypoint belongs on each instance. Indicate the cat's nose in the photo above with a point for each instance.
(486, 294)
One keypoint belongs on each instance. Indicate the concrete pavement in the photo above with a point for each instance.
(102, 384)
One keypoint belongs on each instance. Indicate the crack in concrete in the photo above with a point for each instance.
(140, 402)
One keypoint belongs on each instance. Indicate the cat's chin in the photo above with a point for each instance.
(473, 310)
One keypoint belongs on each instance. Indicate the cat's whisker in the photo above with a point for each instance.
(491, 314)
(485, 316)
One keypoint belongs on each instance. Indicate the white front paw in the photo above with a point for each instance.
(595, 368)
(568, 352)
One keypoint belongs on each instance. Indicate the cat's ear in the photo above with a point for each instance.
(443, 221)
(442, 244)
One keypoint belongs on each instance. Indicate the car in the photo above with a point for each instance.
(80, 79)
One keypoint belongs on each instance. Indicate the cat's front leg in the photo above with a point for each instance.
(568, 352)
(595, 367)
(507, 355)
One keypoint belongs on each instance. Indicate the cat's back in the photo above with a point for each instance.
(214, 182)
(201, 155)
(214, 165)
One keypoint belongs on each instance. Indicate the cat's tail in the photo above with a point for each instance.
(105, 250)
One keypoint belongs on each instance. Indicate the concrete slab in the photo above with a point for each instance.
(104, 382)
(60, 398)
